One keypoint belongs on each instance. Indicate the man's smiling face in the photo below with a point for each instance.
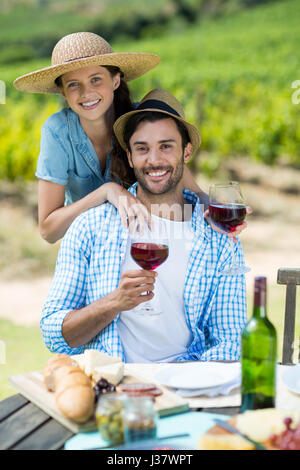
(157, 156)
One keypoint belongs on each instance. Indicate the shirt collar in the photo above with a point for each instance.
(198, 222)
(76, 131)
(85, 146)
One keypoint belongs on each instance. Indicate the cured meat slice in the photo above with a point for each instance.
(156, 392)
(141, 390)
(137, 387)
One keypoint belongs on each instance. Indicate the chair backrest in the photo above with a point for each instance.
(291, 278)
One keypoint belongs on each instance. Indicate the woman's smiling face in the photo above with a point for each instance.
(90, 91)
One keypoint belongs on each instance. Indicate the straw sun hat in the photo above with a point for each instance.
(84, 49)
(164, 102)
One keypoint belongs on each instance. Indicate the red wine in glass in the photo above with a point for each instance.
(227, 210)
(149, 255)
(227, 216)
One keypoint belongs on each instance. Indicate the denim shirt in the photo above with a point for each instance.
(67, 157)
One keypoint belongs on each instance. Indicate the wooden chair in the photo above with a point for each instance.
(291, 278)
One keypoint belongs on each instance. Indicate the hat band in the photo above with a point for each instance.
(157, 104)
(77, 58)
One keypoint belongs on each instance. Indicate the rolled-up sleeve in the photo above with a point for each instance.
(52, 163)
(68, 288)
(228, 316)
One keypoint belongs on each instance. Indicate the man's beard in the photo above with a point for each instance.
(172, 182)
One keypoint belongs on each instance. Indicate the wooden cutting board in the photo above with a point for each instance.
(31, 385)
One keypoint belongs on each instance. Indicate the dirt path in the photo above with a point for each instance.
(22, 301)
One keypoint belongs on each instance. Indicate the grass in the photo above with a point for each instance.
(25, 350)
(22, 24)
(26, 254)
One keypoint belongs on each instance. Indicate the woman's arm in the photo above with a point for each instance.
(190, 183)
(55, 218)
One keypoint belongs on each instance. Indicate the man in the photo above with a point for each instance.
(98, 288)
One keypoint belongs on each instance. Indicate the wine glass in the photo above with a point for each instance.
(227, 210)
(150, 249)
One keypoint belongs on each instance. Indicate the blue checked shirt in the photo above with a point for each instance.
(88, 268)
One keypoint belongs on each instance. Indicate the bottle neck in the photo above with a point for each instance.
(259, 311)
(259, 307)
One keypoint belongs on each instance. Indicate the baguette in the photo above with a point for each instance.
(63, 371)
(76, 403)
(70, 379)
(53, 364)
(74, 393)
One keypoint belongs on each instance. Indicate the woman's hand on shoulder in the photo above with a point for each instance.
(132, 212)
(238, 229)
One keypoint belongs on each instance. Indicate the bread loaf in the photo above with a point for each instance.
(76, 403)
(53, 364)
(63, 371)
(70, 378)
(74, 393)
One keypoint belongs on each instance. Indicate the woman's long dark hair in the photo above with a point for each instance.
(120, 169)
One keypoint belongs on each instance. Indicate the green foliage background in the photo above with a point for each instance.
(232, 69)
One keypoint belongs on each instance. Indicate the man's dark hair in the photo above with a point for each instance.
(153, 116)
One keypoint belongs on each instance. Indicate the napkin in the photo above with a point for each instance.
(210, 391)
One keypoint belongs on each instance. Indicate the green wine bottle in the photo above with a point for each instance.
(259, 355)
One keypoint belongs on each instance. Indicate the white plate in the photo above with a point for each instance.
(197, 375)
(291, 378)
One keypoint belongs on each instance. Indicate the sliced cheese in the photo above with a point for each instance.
(113, 373)
(94, 358)
(80, 359)
(261, 424)
(210, 441)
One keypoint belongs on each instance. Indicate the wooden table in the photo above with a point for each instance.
(24, 426)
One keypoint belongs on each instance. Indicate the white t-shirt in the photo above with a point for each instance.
(163, 337)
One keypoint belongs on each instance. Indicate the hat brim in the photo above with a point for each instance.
(132, 64)
(120, 124)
